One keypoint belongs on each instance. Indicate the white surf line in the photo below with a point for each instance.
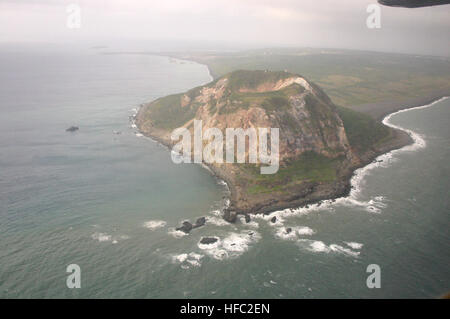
(419, 142)
(211, 78)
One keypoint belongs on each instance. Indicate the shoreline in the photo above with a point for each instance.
(382, 109)
(344, 187)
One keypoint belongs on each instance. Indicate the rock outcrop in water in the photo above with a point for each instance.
(208, 240)
(186, 227)
(72, 129)
(200, 222)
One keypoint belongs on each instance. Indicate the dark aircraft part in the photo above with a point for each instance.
(413, 3)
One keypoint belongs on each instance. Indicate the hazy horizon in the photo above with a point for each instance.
(226, 25)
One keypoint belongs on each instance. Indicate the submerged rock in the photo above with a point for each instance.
(247, 218)
(72, 129)
(288, 230)
(208, 240)
(230, 216)
(187, 227)
(200, 222)
(274, 219)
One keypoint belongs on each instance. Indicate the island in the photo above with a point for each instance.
(320, 144)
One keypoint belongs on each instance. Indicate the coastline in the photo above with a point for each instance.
(382, 109)
(344, 187)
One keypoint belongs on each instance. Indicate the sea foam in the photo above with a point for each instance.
(318, 246)
(188, 260)
(295, 232)
(154, 224)
(104, 237)
(176, 233)
(233, 245)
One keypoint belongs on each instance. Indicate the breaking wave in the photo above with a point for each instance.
(233, 245)
(154, 224)
(318, 246)
(187, 261)
(104, 237)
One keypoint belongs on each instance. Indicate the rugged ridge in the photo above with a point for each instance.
(316, 158)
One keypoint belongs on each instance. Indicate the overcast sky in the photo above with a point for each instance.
(138, 24)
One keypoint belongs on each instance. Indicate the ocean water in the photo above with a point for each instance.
(108, 200)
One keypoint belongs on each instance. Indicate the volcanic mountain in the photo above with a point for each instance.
(316, 155)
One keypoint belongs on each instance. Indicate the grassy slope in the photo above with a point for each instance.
(310, 167)
(362, 131)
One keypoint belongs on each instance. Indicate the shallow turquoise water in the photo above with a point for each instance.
(85, 197)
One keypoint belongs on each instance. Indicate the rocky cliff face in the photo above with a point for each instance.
(314, 150)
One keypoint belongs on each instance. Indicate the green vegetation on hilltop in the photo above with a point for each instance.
(252, 79)
(270, 101)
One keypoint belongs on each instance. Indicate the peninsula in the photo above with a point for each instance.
(320, 144)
